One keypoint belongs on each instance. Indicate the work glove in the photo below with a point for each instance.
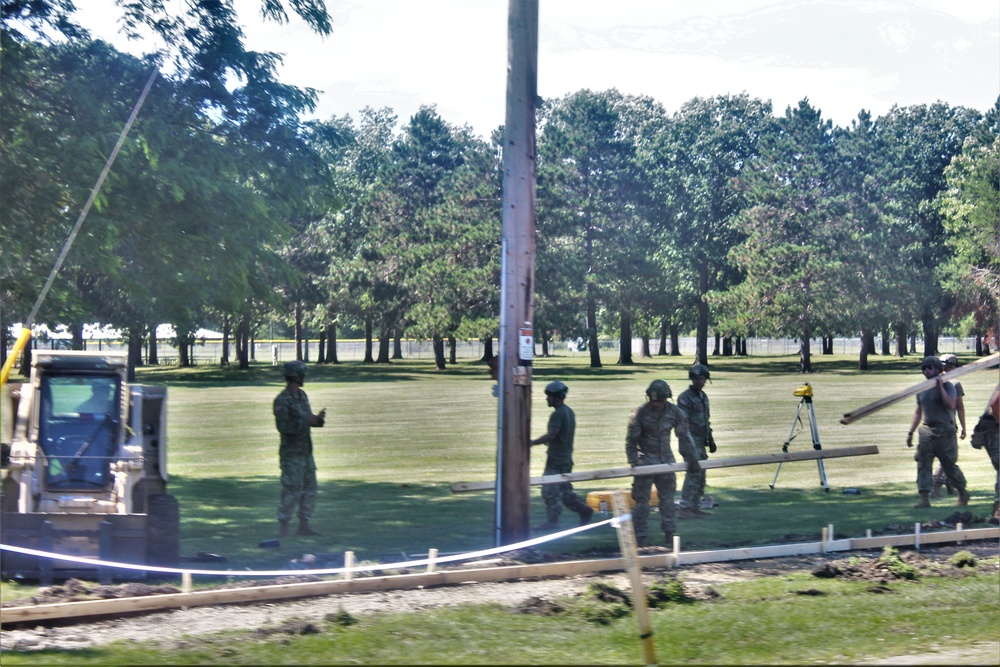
(633, 463)
(693, 466)
(711, 445)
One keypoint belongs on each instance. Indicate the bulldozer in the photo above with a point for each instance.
(85, 470)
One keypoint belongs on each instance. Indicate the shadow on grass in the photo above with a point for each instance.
(574, 368)
(384, 522)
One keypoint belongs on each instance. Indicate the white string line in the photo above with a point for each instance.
(339, 570)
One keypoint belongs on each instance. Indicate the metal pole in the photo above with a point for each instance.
(518, 275)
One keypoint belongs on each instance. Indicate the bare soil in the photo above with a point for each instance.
(175, 628)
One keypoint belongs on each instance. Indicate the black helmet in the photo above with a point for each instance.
(295, 369)
(931, 362)
(659, 389)
(556, 388)
(699, 370)
(949, 361)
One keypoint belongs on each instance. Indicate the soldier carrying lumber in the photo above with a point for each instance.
(694, 402)
(559, 458)
(647, 442)
(936, 410)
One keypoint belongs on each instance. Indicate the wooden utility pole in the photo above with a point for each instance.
(517, 298)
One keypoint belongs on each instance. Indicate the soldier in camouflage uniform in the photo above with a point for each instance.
(986, 436)
(559, 459)
(950, 363)
(647, 442)
(694, 403)
(294, 419)
(936, 409)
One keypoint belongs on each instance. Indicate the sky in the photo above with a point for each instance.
(843, 55)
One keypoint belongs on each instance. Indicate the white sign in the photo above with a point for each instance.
(525, 343)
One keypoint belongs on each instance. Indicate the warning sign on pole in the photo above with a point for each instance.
(525, 343)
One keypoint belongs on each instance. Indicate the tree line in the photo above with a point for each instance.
(226, 210)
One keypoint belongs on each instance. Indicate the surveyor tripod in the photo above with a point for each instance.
(806, 393)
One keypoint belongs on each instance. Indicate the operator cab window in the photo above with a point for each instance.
(78, 430)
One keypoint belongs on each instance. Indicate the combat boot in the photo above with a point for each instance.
(936, 490)
(669, 537)
(688, 513)
(995, 519)
(283, 528)
(585, 515)
(963, 497)
(923, 502)
(306, 529)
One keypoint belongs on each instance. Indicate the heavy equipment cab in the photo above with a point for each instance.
(86, 473)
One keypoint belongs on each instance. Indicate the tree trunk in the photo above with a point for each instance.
(297, 334)
(321, 353)
(76, 329)
(488, 348)
(930, 335)
(718, 340)
(452, 350)
(727, 346)
(243, 340)
(900, 331)
(439, 352)
(870, 340)
(183, 360)
(331, 343)
(224, 361)
(369, 359)
(646, 354)
(863, 356)
(134, 351)
(701, 352)
(625, 339)
(595, 352)
(384, 342)
(805, 354)
(675, 340)
(885, 342)
(663, 338)
(397, 343)
(545, 344)
(743, 346)
(979, 345)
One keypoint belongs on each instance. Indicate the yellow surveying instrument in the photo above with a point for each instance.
(805, 392)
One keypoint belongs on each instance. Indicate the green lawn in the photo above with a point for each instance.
(398, 436)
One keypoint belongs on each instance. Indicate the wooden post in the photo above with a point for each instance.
(517, 276)
(630, 554)
(432, 555)
(348, 563)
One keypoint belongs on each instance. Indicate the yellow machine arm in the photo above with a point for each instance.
(15, 354)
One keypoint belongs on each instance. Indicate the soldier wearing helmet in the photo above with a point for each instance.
(694, 403)
(949, 362)
(935, 414)
(647, 442)
(295, 420)
(559, 458)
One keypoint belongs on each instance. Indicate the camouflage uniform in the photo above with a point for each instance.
(298, 469)
(940, 479)
(647, 442)
(559, 460)
(695, 407)
(937, 439)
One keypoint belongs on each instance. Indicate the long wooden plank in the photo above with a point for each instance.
(151, 603)
(609, 473)
(875, 406)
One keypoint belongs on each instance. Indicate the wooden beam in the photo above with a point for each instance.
(609, 473)
(152, 603)
(875, 406)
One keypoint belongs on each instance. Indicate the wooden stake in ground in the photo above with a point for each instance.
(630, 554)
(875, 406)
(609, 473)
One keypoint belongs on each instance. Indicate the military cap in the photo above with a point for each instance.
(556, 388)
(699, 369)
